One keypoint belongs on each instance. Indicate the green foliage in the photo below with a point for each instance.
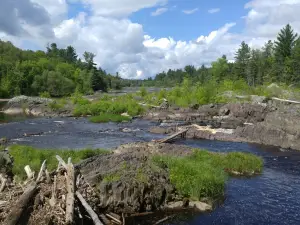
(204, 174)
(57, 71)
(143, 91)
(121, 105)
(111, 178)
(45, 94)
(104, 118)
(24, 154)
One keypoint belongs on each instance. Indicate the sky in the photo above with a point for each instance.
(140, 38)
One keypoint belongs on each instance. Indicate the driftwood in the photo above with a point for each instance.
(52, 200)
(22, 204)
(43, 167)
(3, 182)
(70, 180)
(89, 209)
(285, 100)
(29, 172)
(163, 220)
(113, 218)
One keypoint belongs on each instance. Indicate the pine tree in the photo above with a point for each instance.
(285, 42)
(242, 58)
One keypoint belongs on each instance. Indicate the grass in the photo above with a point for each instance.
(105, 117)
(122, 104)
(34, 157)
(204, 174)
(111, 178)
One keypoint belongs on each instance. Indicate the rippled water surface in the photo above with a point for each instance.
(271, 198)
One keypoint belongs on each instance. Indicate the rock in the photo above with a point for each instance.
(6, 163)
(201, 206)
(258, 99)
(3, 141)
(161, 130)
(126, 180)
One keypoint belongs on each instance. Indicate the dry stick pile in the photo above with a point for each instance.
(50, 199)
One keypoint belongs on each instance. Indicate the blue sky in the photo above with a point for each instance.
(181, 26)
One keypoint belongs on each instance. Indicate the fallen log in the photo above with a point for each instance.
(89, 209)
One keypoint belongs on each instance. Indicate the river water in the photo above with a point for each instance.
(271, 198)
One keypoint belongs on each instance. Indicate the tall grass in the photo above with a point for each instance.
(204, 174)
(25, 155)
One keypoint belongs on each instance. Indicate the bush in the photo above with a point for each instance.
(45, 94)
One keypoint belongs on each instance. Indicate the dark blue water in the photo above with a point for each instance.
(271, 198)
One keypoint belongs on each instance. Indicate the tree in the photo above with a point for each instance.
(285, 42)
(220, 69)
(71, 56)
(89, 60)
(241, 60)
(254, 68)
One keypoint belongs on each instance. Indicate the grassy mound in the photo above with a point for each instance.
(25, 155)
(105, 117)
(204, 174)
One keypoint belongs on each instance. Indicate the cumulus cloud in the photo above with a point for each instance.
(159, 11)
(214, 10)
(190, 11)
(121, 45)
(13, 15)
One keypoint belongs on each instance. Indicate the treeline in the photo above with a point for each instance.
(56, 72)
(278, 61)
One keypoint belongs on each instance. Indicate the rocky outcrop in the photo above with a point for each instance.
(128, 181)
(276, 122)
(34, 106)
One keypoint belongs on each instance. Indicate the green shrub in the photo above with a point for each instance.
(25, 155)
(45, 94)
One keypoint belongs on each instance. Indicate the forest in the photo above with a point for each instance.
(59, 72)
(54, 73)
(276, 62)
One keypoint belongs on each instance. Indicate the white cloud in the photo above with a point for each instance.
(159, 11)
(214, 10)
(121, 45)
(117, 8)
(190, 11)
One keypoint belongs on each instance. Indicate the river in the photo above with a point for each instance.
(271, 198)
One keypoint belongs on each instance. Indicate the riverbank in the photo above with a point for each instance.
(275, 122)
(140, 177)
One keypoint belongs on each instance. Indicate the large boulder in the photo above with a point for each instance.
(128, 181)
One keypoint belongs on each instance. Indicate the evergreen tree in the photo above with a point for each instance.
(285, 42)
(242, 58)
